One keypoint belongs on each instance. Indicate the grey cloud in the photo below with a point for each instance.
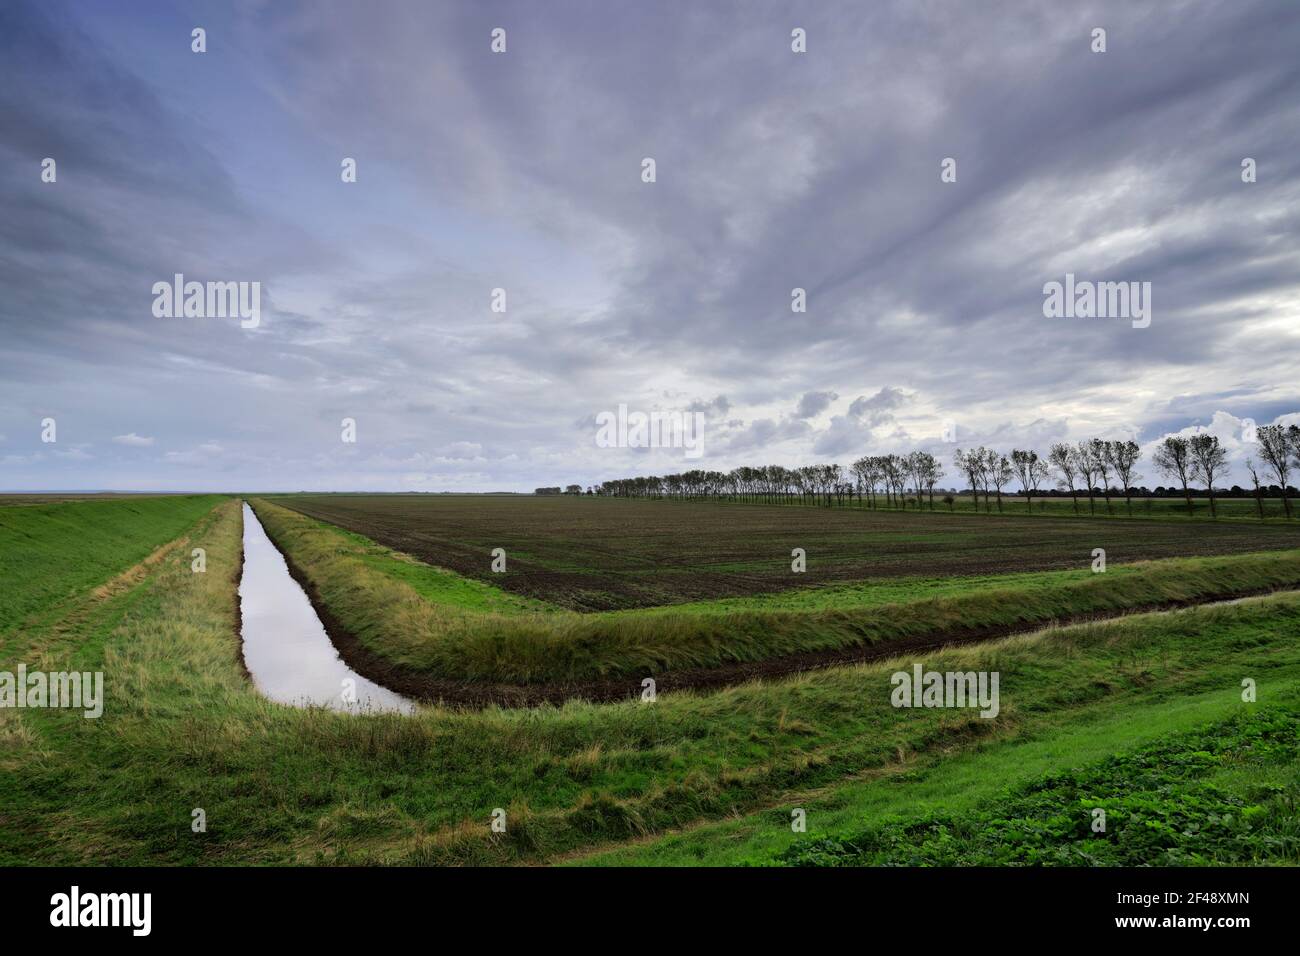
(718, 405)
(764, 433)
(813, 403)
(884, 400)
(522, 171)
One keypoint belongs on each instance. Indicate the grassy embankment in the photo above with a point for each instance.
(1225, 793)
(431, 621)
(1194, 781)
(50, 551)
(184, 729)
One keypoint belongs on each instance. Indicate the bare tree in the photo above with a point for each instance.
(861, 470)
(924, 471)
(895, 477)
(1276, 449)
(1039, 472)
(931, 472)
(1208, 459)
(1124, 456)
(986, 479)
(971, 464)
(878, 474)
(914, 465)
(999, 472)
(806, 482)
(1062, 458)
(1088, 469)
(1293, 439)
(1259, 497)
(1026, 465)
(899, 473)
(1099, 451)
(1173, 457)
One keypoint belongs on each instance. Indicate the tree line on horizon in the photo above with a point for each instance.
(1093, 468)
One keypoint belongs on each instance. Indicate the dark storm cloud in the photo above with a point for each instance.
(522, 171)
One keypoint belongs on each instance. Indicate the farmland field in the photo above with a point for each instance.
(591, 554)
(433, 632)
(696, 778)
(1269, 506)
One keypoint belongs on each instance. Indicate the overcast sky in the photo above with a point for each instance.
(522, 170)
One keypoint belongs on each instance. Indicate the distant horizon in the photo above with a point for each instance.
(1171, 490)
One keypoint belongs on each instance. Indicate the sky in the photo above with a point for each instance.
(523, 171)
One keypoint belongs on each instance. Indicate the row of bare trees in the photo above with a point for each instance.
(868, 479)
(893, 475)
(1092, 468)
(811, 484)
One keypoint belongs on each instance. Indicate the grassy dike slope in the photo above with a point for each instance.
(49, 552)
(183, 729)
(392, 619)
(1198, 780)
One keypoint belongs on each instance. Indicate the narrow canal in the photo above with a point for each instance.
(286, 649)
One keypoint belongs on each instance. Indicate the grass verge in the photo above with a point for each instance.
(1224, 794)
(51, 551)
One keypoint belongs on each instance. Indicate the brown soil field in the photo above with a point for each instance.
(591, 554)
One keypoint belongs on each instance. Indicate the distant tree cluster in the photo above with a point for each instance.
(1091, 469)
(868, 479)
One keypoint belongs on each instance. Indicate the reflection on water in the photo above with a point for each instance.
(286, 648)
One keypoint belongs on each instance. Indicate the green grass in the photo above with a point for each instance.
(437, 584)
(50, 551)
(1225, 794)
(183, 728)
(940, 785)
(395, 621)
(890, 591)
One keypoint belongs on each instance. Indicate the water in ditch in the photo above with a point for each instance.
(286, 649)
